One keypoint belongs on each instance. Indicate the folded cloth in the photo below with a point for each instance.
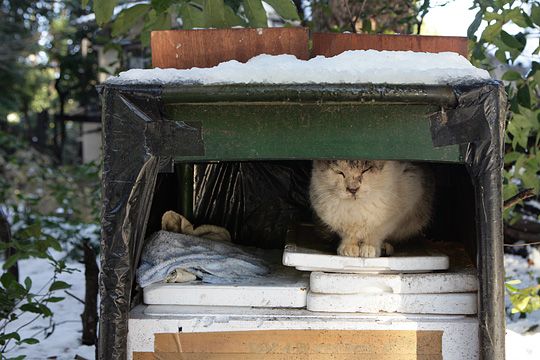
(173, 221)
(211, 261)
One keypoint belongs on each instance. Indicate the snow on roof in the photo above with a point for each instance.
(350, 67)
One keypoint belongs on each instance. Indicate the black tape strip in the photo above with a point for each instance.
(459, 126)
(143, 106)
(173, 138)
(164, 138)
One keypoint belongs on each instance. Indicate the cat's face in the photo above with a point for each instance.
(348, 179)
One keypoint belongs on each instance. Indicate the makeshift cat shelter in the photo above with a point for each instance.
(238, 155)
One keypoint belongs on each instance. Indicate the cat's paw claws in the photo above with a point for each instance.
(369, 251)
(349, 250)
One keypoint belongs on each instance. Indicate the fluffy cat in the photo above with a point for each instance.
(368, 203)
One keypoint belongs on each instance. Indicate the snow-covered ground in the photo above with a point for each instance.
(65, 342)
(522, 335)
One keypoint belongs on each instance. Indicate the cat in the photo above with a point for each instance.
(371, 203)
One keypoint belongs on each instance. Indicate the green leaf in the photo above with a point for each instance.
(490, 16)
(31, 307)
(500, 3)
(12, 260)
(232, 19)
(104, 10)
(59, 285)
(501, 56)
(524, 95)
(84, 3)
(516, 16)
(28, 283)
(522, 303)
(255, 13)
(30, 341)
(54, 299)
(511, 157)
(191, 16)
(511, 75)
(214, 13)
(513, 282)
(534, 69)
(7, 279)
(474, 25)
(129, 17)
(509, 191)
(478, 51)
(161, 5)
(535, 14)
(511, 41)
(285, 8)
(511, 288)
(155, 22)
(11, 335)
(492, 31)
(45, 310)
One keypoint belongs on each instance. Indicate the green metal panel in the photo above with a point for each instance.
(281, 130)
(404, 94)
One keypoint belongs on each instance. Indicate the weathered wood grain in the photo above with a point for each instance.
(329, 44)
(184, 49)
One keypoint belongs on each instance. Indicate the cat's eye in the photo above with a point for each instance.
(366, 170)
(340, 173)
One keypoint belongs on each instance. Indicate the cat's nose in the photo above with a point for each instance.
(352, 190)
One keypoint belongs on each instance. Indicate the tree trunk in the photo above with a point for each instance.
(26, 121)
(60, 129)
(89, 315)
(42, 126)
(5, 237)
(300, 10)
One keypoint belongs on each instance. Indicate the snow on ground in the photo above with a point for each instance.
(522, 335)
(65, 342)
(349, 67)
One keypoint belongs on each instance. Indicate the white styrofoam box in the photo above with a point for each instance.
(307, 259)
(453, 281)
(451, 303)
(283, 288)
(459, 340)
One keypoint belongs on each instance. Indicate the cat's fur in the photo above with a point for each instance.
(368, 203)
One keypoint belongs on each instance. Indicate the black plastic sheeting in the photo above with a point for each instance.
(253, 200)
(259, 200)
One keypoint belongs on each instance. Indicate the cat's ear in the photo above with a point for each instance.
(321, 165)
(378, 164)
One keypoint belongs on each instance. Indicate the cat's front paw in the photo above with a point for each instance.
(369, 251)
(349, 250)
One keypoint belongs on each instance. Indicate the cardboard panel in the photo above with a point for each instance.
(329, 44)
(143, 356)
(303, 342)
(184, 49)
(199, 356)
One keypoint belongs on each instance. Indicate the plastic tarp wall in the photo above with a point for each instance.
(139, 143)
(253, 200)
